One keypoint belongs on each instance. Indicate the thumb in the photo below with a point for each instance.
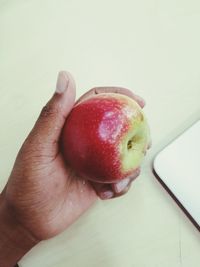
(48, 127)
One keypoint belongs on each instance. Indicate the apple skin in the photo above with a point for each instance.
(105, 137)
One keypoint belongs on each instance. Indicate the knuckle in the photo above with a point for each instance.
(48, 110)
(123, 192)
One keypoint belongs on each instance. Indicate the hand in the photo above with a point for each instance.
(42, 192)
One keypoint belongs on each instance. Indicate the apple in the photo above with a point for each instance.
(105, 137)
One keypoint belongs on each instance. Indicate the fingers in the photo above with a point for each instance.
(108, 191)
(48, 127)
(103, 191)
(121, 185)
(117, 90)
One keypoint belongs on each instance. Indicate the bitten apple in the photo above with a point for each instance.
(105, 137)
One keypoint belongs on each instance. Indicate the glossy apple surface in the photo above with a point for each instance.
(105, 137)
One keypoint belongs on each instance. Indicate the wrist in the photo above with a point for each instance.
(15, 240)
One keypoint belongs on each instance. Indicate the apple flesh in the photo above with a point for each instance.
(105, 137)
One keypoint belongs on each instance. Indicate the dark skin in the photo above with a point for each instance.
(43, 195)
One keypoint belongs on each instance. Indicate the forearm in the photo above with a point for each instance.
(15, 241)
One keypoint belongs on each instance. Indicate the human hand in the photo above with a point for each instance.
(43, 193)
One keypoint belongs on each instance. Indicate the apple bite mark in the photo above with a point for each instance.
(133, 147)
(134, 143)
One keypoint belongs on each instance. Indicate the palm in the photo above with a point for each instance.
(52, 197)
(66, 198)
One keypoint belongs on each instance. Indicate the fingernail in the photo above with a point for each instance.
(120, 186)
(106, 194)
(62, 82)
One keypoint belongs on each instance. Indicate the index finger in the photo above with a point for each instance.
(110, 89)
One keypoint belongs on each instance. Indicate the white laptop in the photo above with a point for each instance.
(177, 167)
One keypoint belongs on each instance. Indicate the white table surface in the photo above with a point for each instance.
(150, 46)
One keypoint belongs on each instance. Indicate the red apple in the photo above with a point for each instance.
(105, 137)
